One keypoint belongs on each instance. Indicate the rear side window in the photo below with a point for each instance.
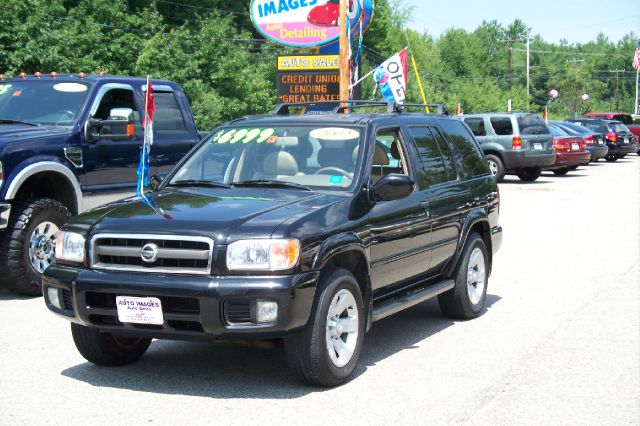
(501, 125)
(168, 117)
(447, 155)
(476, 125)
(432, 171)
(468, 153)
(531, 124)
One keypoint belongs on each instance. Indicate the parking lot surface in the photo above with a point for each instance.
(559, 342)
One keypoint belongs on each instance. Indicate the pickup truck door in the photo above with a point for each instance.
(111, 165)
(173, 133)
(399, 232)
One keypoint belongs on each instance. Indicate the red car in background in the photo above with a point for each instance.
(571, 151)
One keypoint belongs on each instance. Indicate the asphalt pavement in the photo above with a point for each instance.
(559, 342)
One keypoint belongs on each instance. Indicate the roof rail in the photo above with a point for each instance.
(283, 108)
(439, 108)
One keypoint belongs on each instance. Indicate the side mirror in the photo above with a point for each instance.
(393, 187)
(119, 126)
(156, 179)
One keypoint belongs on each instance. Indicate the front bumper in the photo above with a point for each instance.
(194, 307)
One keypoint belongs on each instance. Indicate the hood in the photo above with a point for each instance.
(224, 214)
(13, 132)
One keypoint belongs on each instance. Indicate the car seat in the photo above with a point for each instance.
(277, 165)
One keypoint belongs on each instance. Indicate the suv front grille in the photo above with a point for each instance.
(173, 254)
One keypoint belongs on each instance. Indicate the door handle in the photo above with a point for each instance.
(424, 205)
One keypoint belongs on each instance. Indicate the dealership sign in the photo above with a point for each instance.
(306, 23)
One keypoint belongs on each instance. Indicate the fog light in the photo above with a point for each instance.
(267, 310)
(54, 297)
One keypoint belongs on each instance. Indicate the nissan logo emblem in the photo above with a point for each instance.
(149, 252)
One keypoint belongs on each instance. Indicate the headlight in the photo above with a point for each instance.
(266, 255)
(69, 247)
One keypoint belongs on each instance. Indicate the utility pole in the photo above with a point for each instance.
(528, 95)
(344, 53)
(575, 101)
(617, 87)
(510, 42)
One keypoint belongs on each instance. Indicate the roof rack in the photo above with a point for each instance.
(283, 109)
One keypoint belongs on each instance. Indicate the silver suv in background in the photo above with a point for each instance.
(515, 143)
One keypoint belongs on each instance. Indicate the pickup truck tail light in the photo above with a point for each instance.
(516, 143)
(589, 140)
(612, 137)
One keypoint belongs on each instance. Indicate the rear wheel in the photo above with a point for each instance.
(561, 172)
(496, 167)
(102, 348)
(466, 299)
(28, 247)
(529, 174)
(326, 352)
(611, 158)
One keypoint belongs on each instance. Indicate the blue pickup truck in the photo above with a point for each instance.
(69, 143)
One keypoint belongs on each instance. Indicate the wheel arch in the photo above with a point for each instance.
(47, 179)
(476, 222)
(348, 251)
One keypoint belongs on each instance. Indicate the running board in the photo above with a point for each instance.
(406, 301)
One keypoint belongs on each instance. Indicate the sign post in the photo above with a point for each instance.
(345, 77)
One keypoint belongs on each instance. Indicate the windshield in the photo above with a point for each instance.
(48, 102)
(310, 156)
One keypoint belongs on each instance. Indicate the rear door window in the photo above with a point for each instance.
(447, 154)
(531, 124)
(468, 152)
(501, 125)
(168, 118)
(476, 124)
(432, 170)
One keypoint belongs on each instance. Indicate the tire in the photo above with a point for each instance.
(495, 166)
(102, 348)
(312, 353)
(28, 247)
(529, 174)
(574, 167)
(561, 172)
(466, 299)
(611, 158)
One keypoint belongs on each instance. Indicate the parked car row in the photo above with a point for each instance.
(524, 144)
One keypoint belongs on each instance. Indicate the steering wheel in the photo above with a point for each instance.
(332, 168)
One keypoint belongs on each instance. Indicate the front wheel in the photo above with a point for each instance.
(28, 247)
(102, 348)
(326, 352)
(466, 299)
(529, 174)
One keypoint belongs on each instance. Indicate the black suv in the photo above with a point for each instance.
(303, 228)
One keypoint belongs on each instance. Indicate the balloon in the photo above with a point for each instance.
(553, 94)
(585, 97)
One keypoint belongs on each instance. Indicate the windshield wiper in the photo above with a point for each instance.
(198, 182)
(8, 121)
(272, 183)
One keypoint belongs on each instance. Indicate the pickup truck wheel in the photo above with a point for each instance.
(466, 299)
(102, 348)
(326, 352)
(529, 174)
(561, 172)
(495, 167)
(28, 247)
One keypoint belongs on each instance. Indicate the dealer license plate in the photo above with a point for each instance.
(575, 146)
(537, 145)
(139, 310)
